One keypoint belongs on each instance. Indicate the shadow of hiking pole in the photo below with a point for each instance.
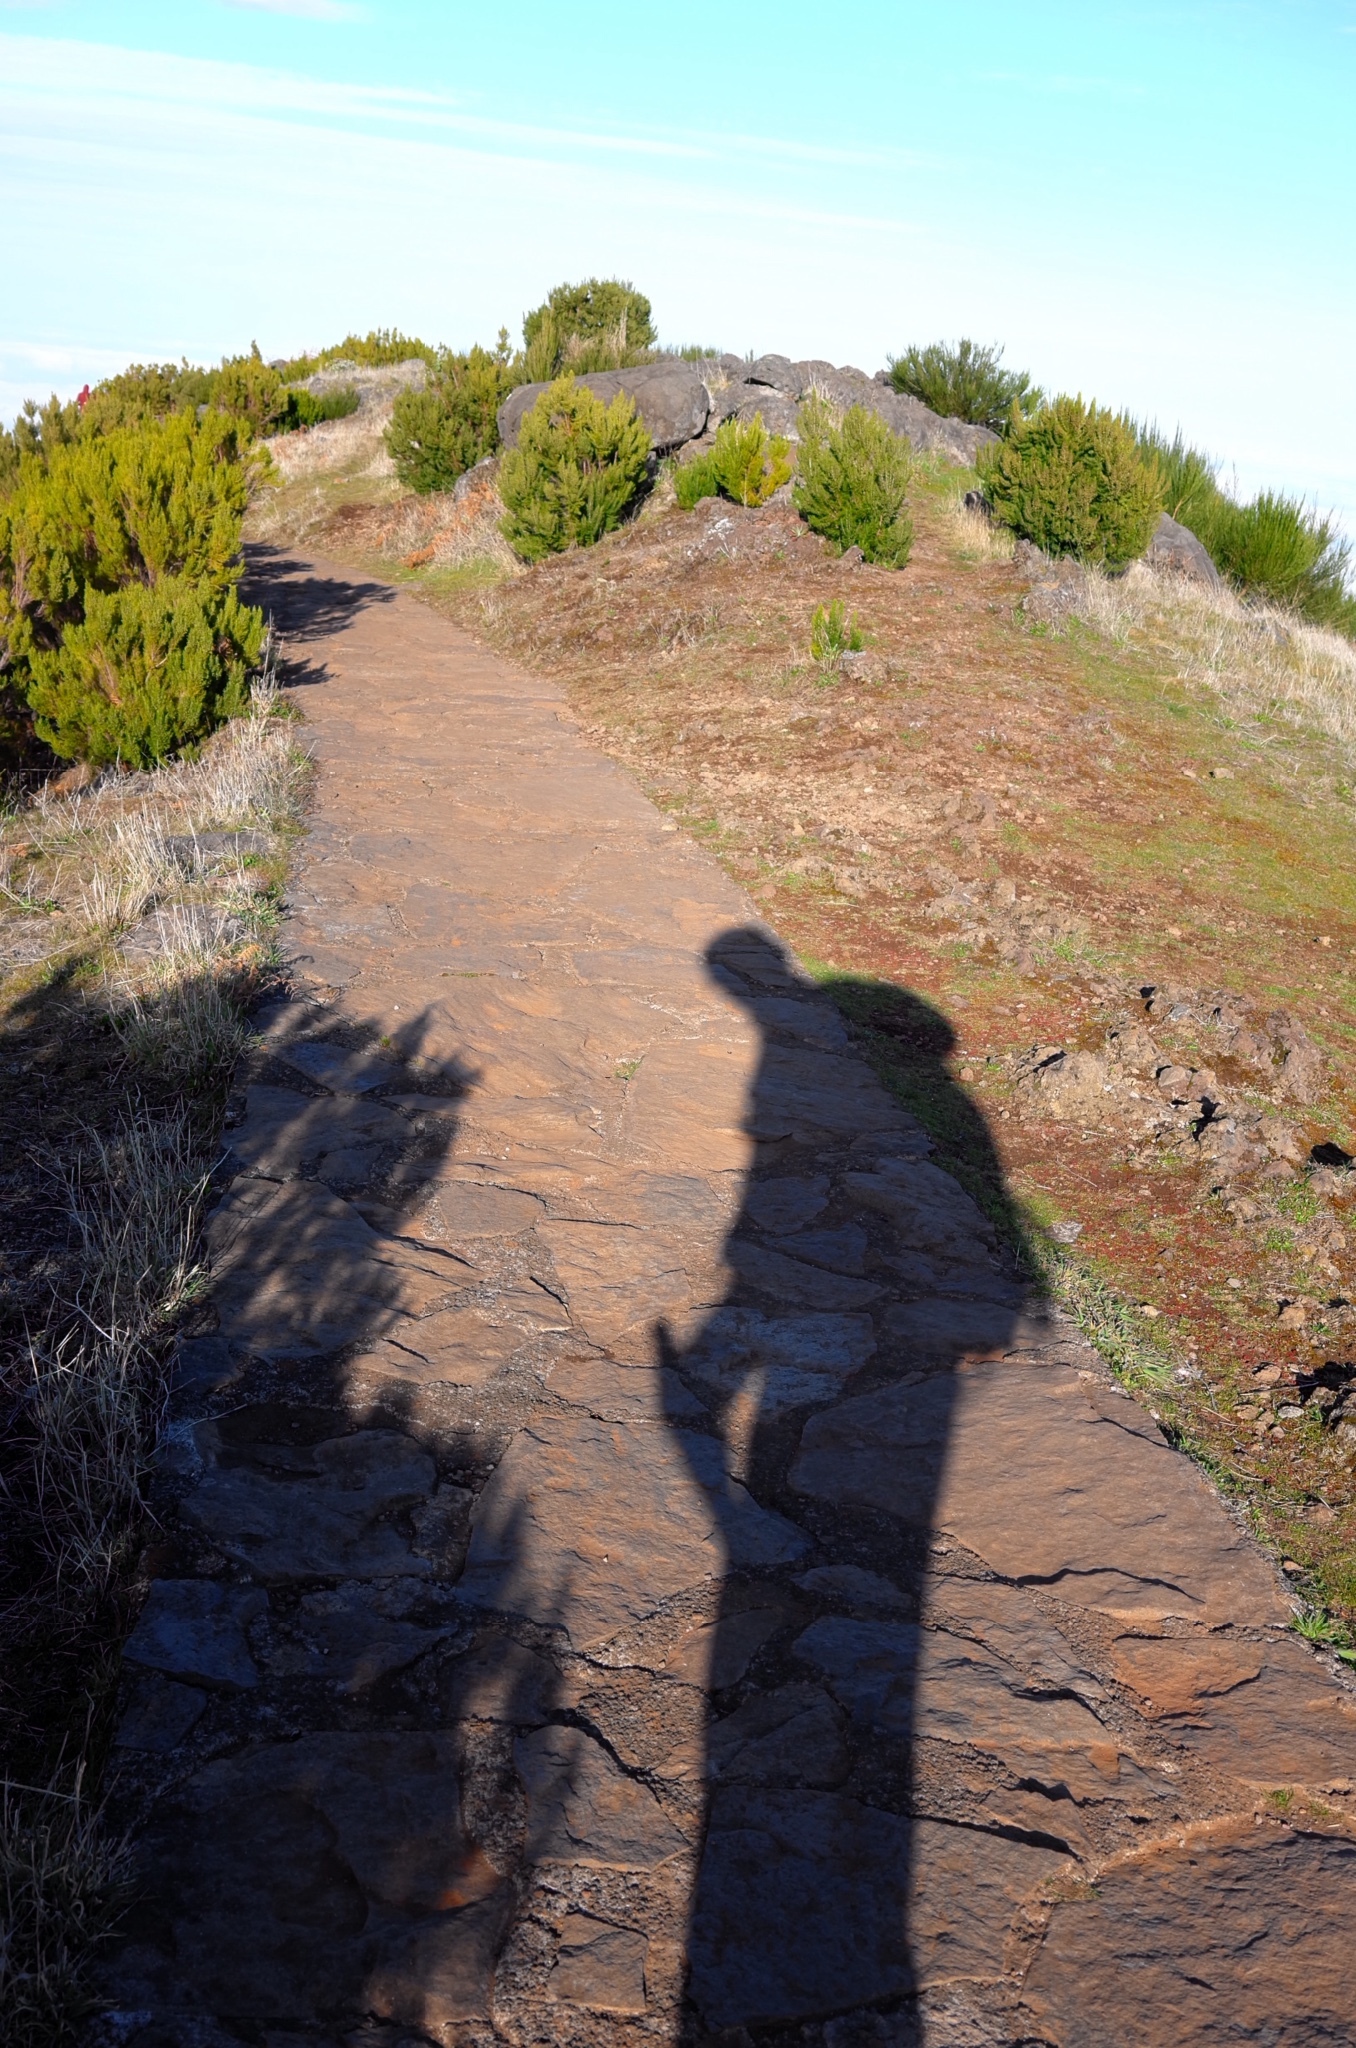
(866, 1276)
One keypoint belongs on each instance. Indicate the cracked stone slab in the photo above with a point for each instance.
(805, 1905)
(589, 1526)
(337, 1068)
(1266, 1712)
(621, 1393)
(792, 1736)
(160, 1715)
(339, 1139)
(810, 1095)
(374, 1896)
(350, 1637)
(620, 1279)
(195, 1629)
(788, 1201)
(327, 1514)
(459, 1346)
(906, 1682)
(792, 1280)
(1125, 1524)
(801, 1357)
(1242, 1932)
(599, 1966)
(582, 1809)
(295, 1270)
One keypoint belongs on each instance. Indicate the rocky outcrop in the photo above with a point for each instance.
(670, 398)
(1175, 548)
(774, 386)
(679, 401)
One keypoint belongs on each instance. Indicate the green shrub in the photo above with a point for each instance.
(144, 391)
(246, 387)
(304, 409)
(832, 635)
(694, 480)
(964, 382)
(852, 483)
(1072, 479)
(35, 432)
(577, 469)
(249, 389)
(119, 560)
(745, 463)
(438, 433)
(374, 351)
(149, 669)
(602, 324)
(750, 464)
(1190, 480)
(1273, 547)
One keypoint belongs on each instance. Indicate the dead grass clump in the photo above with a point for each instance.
(185, 1025)
(440, 530)
(85, 1417)
(143, 906)
(1257, 658)
(974, 536)
(62, 1880)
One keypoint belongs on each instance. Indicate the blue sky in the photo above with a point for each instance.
(1151, 204)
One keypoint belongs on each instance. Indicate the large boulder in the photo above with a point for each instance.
(670, 397)
(1176, 548)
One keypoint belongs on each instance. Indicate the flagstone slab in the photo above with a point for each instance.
(811, 1903)
(1125, 1525)
(297, 1270)
(1241, 1933)
(330, 1874)
(588, 1526)
(326, 1513)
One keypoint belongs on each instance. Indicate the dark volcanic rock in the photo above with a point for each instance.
(670, 398)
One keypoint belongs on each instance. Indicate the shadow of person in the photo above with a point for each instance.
(865, 1278)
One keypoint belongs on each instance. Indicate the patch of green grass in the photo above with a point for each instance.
(480, 574)
(1317, 1626)
(1297, 1200)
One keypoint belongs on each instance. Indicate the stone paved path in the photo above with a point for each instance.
(635, 1569)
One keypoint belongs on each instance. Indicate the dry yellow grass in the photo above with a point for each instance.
(108, 913)
(1254, 657)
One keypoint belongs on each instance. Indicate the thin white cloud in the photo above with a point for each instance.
(306, 10)
(51, 67)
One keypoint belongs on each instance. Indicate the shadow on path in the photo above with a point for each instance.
(866, 1277)
(317, 1740)
(303, 607)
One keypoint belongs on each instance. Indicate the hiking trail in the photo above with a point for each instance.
(637, 1564)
